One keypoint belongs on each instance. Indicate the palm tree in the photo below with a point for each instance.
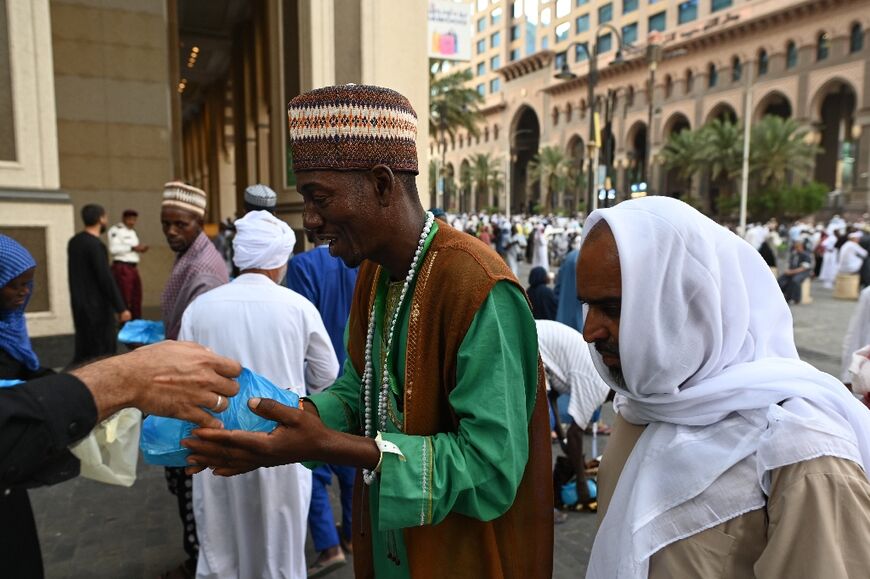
(779, 147)
(722, 149)
(482, 169)
(549, 167)
(465, 184)
(683, 152)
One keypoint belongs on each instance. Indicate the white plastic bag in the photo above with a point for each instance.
(110, 452)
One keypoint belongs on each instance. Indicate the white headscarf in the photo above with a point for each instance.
(262, 241)
(710, 364)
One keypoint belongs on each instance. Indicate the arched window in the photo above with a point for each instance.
(791, 54)
(690, 81)
(629, 97)
(555, 116)
(823, 45)
(712, 75)
(486, 134)
(856, 38)
(568, 112)
(669, 86)
(495, 132)
(762, 62)
(582, 108)
(461, 141)
(736, 69)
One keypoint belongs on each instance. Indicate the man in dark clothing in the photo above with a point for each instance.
(541, 295)
(93, 293)
(800, 266)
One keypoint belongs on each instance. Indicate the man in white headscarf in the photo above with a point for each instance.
(730, 457)
(253, 525)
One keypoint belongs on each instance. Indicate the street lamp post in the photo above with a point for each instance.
(592, 77)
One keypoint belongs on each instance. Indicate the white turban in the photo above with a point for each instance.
(262, 241)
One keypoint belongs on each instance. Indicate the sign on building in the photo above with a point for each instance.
(449, 30)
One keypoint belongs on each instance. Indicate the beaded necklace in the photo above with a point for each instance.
(368, 374)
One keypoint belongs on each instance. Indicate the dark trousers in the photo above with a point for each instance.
(94, 339)
(321, 522)
(19, 544)
(127, 277)
(181, 485)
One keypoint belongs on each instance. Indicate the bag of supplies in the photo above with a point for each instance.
(161, 437)
(110, 452)
(142, 333)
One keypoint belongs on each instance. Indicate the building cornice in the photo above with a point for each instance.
(528, 65)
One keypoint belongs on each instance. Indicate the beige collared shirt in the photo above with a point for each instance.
(816, 523)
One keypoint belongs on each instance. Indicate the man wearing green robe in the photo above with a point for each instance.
(453, 442)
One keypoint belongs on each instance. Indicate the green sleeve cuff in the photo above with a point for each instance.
(334, 412)
(405, 485)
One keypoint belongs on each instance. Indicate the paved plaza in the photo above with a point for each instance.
(97, 531)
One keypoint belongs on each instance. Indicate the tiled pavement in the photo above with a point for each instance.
(90, 530)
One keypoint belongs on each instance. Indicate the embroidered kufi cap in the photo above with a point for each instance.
(261, 196)
(352, 127)
(184, 196)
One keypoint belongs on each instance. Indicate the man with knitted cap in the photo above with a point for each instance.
(253, 525)
(441, 404)
(259, 197)
(730, 456)
(198, 268)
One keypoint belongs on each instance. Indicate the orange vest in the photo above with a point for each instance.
(453, 282)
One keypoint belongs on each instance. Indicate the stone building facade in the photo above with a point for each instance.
(804, 59)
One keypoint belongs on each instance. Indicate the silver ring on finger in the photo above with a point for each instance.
(217, 407)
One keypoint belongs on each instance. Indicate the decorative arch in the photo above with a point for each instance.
(773, 103)
(829, 86)
(525, 136)
(669, 86)
(675, 123)
(721, 110)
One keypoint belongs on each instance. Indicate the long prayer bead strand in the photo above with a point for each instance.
(368, 374)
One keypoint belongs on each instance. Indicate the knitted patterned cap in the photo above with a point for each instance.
(14, 260)
(184, 196)
(261, 196)
(352, 127)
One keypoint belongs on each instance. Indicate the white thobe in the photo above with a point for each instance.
(541, 256)
(569, 365)
(829, 263)
(122, 240)
(254, 525)
(851, 257)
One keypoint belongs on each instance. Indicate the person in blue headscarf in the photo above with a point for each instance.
(17, 358)
(541, 295)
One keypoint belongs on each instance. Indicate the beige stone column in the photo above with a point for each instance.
(394, 54)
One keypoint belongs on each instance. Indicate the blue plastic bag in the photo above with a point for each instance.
(569, 491)
(142, 332)
(8, 383)
(161, 437)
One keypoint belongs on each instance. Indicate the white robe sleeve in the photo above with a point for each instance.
(858, 334)
(321, 363)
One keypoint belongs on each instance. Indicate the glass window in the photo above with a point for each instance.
(629, 33)
(481, 46)
(581, 52)
(495, 62)
(515, 32)
(791, 54)
(562, 31)
(823, 46)
(736, 69)
(582, 2)
(481, 89)
(657, 22)
(687, 11)
(481, 24)
(561, 59)
(531, 38)
(481, 5)
(518, 8)
(546, 16)
(495, 39)
(712, 76)
(563, 7)
(545, 43)
(763, 62)
(629, 6)
(481, 68)
(856, 38)
(531, 11)
(605, 43)
(605, 13)
(495, 16)
(515, 54)
(717, 5)
(494, 85)
(669, 86)
(690, 82)
(581, 24)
